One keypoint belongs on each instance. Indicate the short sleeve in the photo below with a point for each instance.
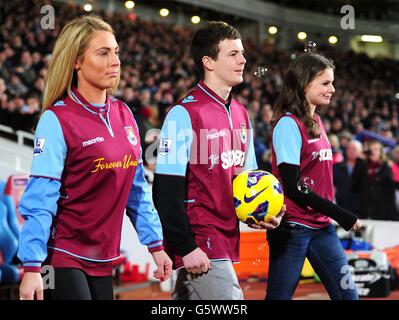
(175, 143)
(49, 148)
(287, 141)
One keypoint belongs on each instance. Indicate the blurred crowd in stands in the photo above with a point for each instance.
(385, 10)
(157, 71)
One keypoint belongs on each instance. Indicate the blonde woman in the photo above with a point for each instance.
(86, 170)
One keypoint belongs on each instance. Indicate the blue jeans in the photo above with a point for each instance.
(289, 245)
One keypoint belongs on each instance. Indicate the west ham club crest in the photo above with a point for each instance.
(130, 135)
(243, 133)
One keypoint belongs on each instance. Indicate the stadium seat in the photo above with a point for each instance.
(8, 241)
(2, 186)
(10, 274)
(12, 218)
(10, 225)
(14, 188)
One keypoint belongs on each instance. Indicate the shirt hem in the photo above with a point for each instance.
(82, 257)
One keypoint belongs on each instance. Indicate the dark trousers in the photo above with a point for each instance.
(290, 244)
(74, 284)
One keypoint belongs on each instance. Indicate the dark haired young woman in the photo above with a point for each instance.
(302, 161)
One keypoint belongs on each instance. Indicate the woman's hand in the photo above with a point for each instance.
(31, 286)
(164, 265)
(273, 223)
(357, 225)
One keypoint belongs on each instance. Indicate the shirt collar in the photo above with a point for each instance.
(213, 94)
(88, 105)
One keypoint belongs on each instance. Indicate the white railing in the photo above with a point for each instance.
(18, 133)
(15, 156)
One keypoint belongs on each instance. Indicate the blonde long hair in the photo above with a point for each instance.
(71, 44)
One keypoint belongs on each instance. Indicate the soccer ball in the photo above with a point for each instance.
(257, 196)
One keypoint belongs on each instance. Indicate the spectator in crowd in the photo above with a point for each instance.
(263, 127)
(350, 182)
(25, 68)
(16, 86)
(344, 138)
(381, 186)
(335, 148)
(395, 172)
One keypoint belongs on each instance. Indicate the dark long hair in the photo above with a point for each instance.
(292, 98)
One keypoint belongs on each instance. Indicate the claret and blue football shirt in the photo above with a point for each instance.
(208, 141)
(86, 170)
(293, 145)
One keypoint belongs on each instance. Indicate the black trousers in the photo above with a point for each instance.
(75, 284)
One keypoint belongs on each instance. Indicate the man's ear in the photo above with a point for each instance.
(209, 63)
